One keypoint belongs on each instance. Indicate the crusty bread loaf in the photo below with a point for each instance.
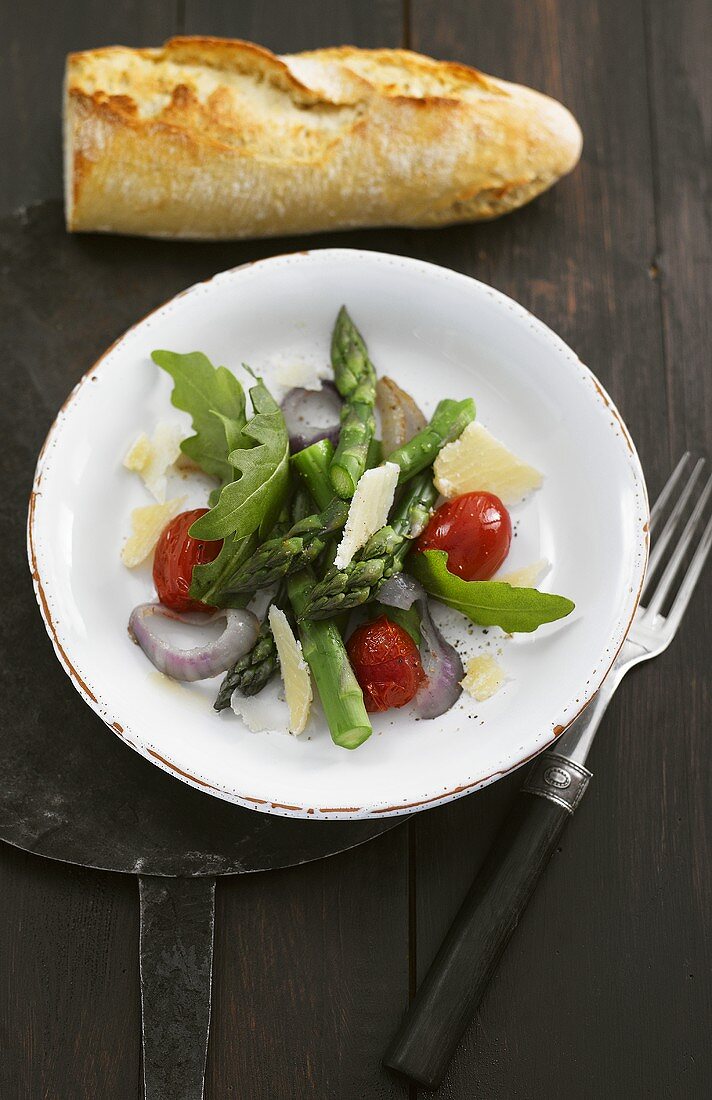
(209, 137)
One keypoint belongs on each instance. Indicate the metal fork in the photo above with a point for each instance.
(460, 973)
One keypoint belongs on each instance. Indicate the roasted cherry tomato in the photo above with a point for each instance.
(386, 662)
(176, 554)
(475, 531)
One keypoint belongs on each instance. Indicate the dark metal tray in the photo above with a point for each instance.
(70, 789)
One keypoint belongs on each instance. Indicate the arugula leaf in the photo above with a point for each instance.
(216, 402)
(487, 603)
(209, 580)
(233, 433)
(253, 501)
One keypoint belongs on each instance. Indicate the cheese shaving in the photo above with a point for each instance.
(146, 526)
(484, 677)
(478, 461)
(152, 458)
(368, 511)
(301, 374)
(262, 713)
(139, 454)
(294, 670)
(526, 577)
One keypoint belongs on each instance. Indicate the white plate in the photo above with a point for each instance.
(438, 334)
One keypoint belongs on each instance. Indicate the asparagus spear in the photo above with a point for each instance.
(448, 422)
(299, 547)
(312, 467)
(250, 674)
(375, 454)
(383, 555)
(355, 380)
(322, 644)
(303, 543)
(253, 671)
(324, 651)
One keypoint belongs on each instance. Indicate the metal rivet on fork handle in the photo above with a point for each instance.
(558, 779)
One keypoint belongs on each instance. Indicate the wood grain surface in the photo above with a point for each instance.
(605, 989)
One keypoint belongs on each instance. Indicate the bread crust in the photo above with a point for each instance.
(218, 138)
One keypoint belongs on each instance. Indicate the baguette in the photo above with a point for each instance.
(215, 138)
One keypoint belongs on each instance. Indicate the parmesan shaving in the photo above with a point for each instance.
(479, 461)
(294, 670)
(526, 577)
(484, 677)
(146, 526)
(139, 454)
(368, 511)
(152, 458)
(301, 375)
(262, 713)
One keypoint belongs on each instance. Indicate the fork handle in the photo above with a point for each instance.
(458, 977)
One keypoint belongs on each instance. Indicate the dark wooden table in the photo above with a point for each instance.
(605, 990)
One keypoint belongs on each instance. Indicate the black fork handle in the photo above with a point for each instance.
(457, 979)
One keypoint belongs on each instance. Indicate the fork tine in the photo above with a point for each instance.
(690, 579)
(670, 484)
(665, 583)
(668, 530)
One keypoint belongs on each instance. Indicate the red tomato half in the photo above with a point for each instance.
(386, 662)
(475, 530)
(176, 554)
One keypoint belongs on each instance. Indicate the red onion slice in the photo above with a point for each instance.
(311, 415)
(443, 671)
(201, 662)
(441, 662)
(401, 590)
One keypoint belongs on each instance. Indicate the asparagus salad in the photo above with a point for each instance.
(322, 544)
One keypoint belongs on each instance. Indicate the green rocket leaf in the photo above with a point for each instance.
(248, 505)
(216, 403)
(487, 603)
(254, 499)
(210, 579)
